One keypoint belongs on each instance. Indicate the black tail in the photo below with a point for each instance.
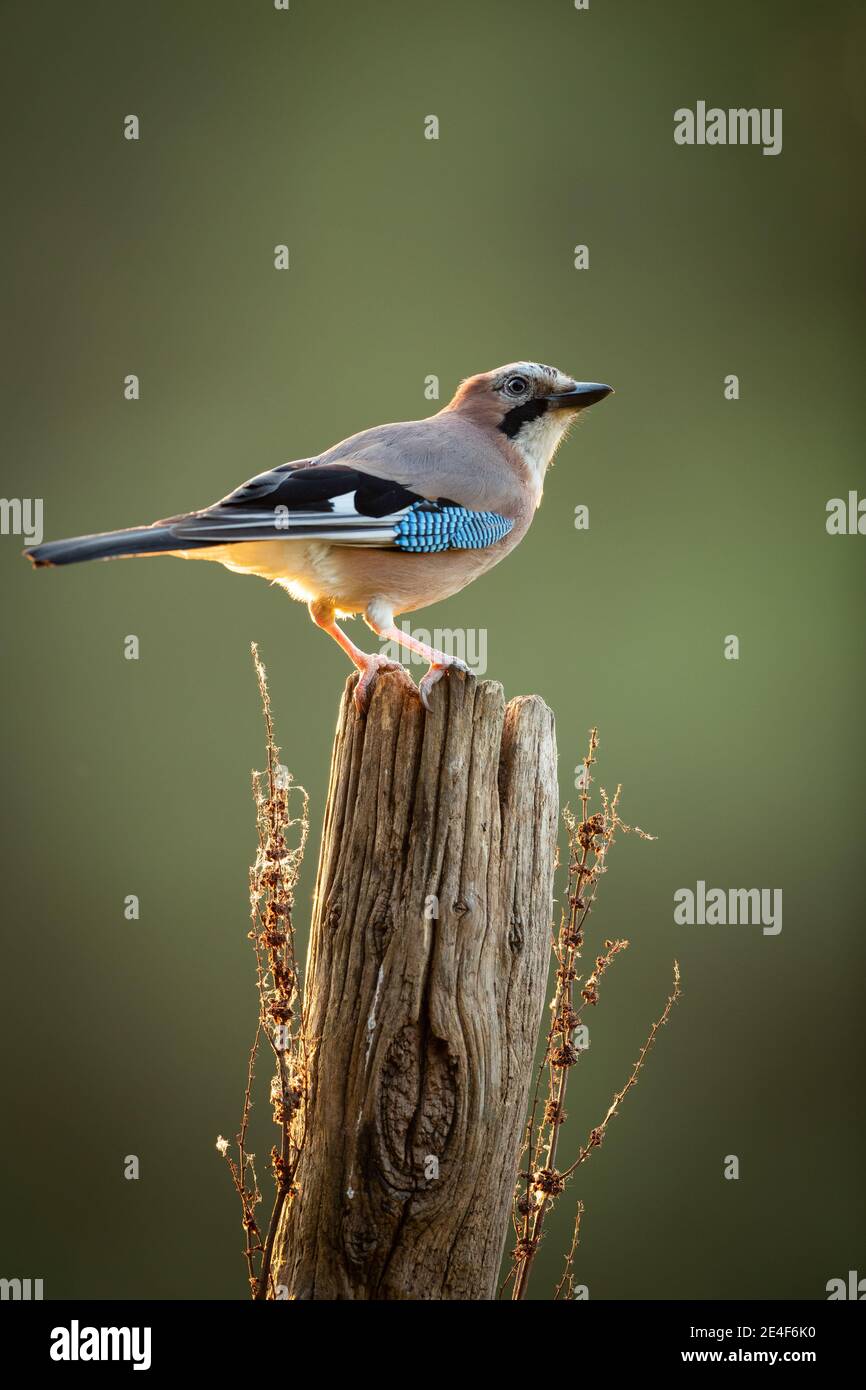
(138, 540)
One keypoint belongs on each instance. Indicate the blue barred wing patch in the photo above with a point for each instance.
(423, 529)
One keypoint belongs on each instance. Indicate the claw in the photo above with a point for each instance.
(434, 674)
(367, 679)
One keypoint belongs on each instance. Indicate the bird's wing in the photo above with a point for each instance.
(342, 504)
(445, 455)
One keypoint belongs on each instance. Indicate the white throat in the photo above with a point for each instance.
(537, 441)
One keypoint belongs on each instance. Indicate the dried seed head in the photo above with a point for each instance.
(548, 1181)
(523, 1249)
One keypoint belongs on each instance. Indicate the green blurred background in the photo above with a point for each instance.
(411, 257)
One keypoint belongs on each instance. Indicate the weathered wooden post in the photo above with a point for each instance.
(425, 984)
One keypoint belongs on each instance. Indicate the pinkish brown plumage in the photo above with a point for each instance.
(333, 530)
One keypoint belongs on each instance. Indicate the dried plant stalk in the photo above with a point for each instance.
(565, 1287)
(273, 878)
(589, 841)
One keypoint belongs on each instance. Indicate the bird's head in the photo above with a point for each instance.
(531, 404)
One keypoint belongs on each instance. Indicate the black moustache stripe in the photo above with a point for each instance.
(519, 415)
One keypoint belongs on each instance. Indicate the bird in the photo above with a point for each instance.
(388, 521)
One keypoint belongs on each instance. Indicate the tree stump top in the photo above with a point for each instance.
(424, 989)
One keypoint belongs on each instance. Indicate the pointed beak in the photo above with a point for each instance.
(582, 394)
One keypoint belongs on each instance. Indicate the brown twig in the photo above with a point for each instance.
(566, 1283)
(273, 878)
(597, 1135)
(589, 840)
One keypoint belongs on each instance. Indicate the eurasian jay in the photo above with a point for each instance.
(388, 521)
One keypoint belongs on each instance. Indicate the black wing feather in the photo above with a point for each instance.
(368, 508)
(302, 488)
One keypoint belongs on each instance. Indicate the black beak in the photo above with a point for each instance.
(585, 393)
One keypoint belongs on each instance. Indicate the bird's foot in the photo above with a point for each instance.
(435, 673)
(374, 662)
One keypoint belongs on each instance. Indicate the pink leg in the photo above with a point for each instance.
(439, 661)
(369, 664)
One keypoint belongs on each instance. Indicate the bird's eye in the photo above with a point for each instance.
(516, 385)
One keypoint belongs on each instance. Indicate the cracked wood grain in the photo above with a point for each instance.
(425, 983)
